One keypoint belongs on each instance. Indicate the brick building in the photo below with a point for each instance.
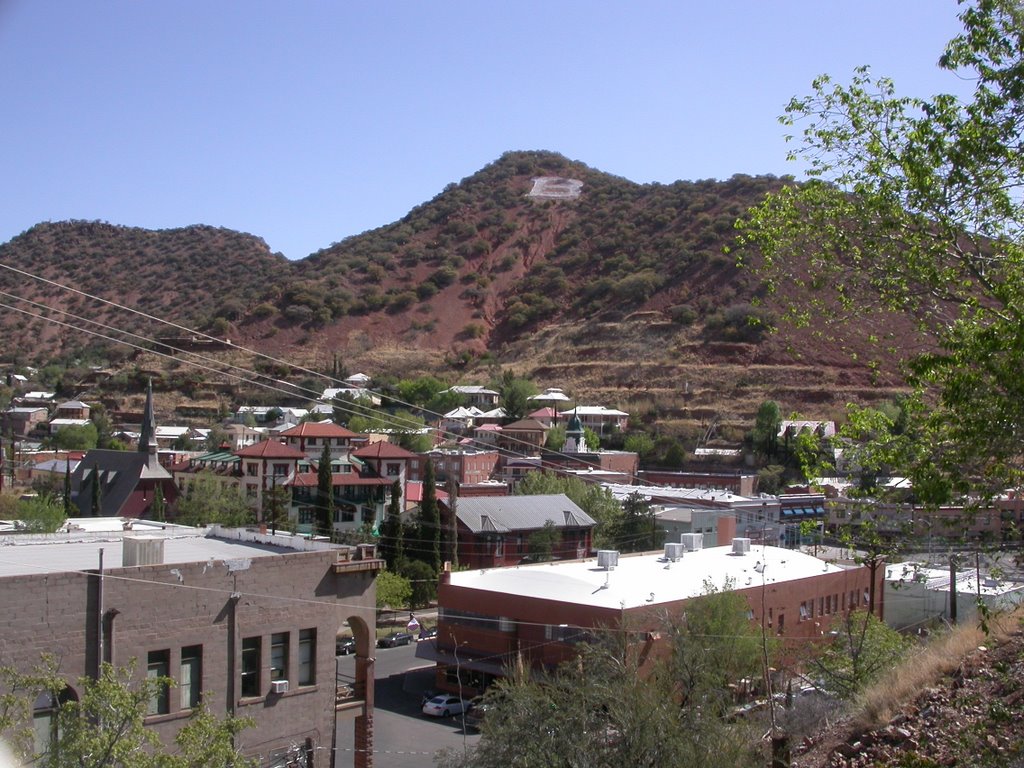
(246, 620)
(495, 531)
(538, 613)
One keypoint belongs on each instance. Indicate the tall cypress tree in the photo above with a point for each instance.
(67, 488)
(325, 493)
(97, 492)
(392, 534)
(429, 533)
(156, 509)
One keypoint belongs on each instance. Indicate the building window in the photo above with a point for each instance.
(252, 468)
(311, 441)
(251, 666)
(307, 656)
(280, 469)
(395, 469)
(306, 516)
(782, 623)
(279, 656)
(251, 491)
(804, 613)
(44, 719)
(191, 678)
(158, 665)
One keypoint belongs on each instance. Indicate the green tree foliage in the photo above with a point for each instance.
(75, 437)
(863, 648)
(765, 435)
(104, 727)
(555, 440)
(640, 443)
(423, 579)
(217, 437)
(158, 508)
(543, 541)
(394, 591)
(769, 479)
(43, 513)
(596, 501)
(714, 644)
(208, 501)
(638, 529)
(324, 493)
(914, 209)
(513, 395)
(275, 506)
(392, 531)
(608, 708)
(355, 412)
(104, 429)
(427, 547)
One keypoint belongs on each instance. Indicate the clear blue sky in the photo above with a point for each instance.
(306, 122)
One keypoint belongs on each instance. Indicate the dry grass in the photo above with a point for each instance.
(925, 666)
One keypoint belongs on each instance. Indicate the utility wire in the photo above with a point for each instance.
(351, 410)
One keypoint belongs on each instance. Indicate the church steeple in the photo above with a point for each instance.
(147, 440)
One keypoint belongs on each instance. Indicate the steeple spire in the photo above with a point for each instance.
(147, 440)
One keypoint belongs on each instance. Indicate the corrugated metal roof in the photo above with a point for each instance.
(520, 513)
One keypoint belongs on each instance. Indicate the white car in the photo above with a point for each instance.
(444, 706)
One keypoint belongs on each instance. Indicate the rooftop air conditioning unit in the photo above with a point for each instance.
(673, 551)
(692, 542)
(279, 686)
(740, 546)
(607, 558)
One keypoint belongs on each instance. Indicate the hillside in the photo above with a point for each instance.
(616, 291)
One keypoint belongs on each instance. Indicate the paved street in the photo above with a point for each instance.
(403, 737)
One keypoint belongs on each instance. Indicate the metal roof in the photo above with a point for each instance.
(501, 514)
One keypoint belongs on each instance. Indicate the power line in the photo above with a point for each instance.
(351, 410)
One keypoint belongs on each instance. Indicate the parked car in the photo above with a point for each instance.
(394, 639)
(477, 711)
(427, 634)
(343, 646)
(444, 706)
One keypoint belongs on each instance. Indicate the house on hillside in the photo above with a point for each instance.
(523, 438)
(22, 420)
(72, 409)
(598, 418)
(475, 395)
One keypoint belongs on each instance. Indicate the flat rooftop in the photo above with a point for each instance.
(27, 554)
(647, 579)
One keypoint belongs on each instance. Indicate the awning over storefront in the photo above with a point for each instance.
(428, 650)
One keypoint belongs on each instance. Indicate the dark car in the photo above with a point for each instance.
(476, 712)
(343, 646)
(427, 634)
(394, 639)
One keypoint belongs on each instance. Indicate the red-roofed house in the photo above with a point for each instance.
(264, 465)
(361, 480)
(311, 436)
